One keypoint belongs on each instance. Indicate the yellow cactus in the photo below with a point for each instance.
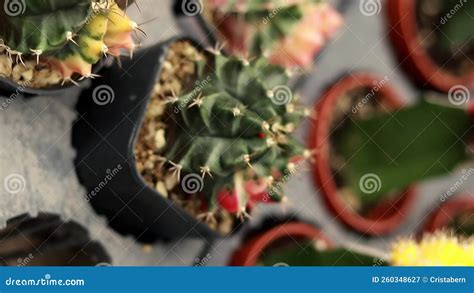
(119, 22)
(119, 29)
(439, 249)
(97, 27)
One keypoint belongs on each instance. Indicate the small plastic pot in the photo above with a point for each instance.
(249, 253)
(386, 216)
(105, 135)
(9, 87)
(46, 240)
(403, 31)
(189, 16)
(444, 215)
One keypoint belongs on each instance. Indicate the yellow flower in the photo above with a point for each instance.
(434, 250)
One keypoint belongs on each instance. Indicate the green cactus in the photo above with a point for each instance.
(280, 26)
(70, 35)
(306, 254)
(284, 16)
(454, 33)
(411, 145)
(289, 33)
(235, 127)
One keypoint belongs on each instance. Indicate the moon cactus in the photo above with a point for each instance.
(228, 127)
(290, 33)
(66, 36)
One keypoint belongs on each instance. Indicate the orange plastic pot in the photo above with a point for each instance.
(249, 253)
(403, 31)
(386, 216)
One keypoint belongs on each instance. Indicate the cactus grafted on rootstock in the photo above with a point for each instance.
(290, 33)
(235, 133)
(70, 35)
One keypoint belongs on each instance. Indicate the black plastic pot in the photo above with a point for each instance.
(105, 135)
(9, 87)
(48, 240)
(192, 23)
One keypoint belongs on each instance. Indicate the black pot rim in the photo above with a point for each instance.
(92, 149)
(136, 130)
(12, 87)
(142, 111)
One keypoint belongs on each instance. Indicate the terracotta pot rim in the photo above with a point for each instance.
(322, 172)
(450, 208)
(404, 35)
(249, 253)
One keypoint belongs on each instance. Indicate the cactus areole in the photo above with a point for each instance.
(230, 128)
(68, 36)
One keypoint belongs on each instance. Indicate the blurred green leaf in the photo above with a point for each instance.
(402, 148)
(457, 30)
(307, 255)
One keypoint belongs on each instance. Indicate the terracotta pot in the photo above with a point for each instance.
(443, 216)
(249, 253)
(386, 216)
(403, 31)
